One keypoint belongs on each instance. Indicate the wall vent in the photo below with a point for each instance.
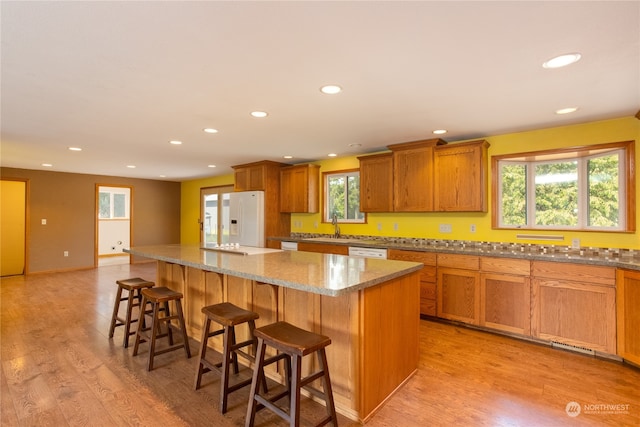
(575, 348)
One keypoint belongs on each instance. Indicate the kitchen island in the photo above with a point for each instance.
(368, 307)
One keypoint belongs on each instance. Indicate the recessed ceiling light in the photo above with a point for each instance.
(331, 89)
(211, 166)
(175, 142)
(47, 165)
(356, 145)
(287, 157)
(566, 110)
(75, 149)
(562, 60)
(440, 131)
(131, 166)
(332, 154)
(210, 130)
(163, 176)
(259, 114)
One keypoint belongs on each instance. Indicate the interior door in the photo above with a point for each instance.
(13, 220)
(214, 214)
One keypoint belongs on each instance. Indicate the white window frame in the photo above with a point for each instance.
(327, 215)
(582, 157)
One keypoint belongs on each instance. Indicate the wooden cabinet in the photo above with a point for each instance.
(574, 304)
(265, 176)
(505, 291)
(458, 288)
(413, 175)
(376, 183)
(299, 188)
(427, 277)
(628, 311)
(460, 177)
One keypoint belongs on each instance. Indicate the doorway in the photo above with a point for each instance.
(214, 214)
(13, 223)
(113, 230)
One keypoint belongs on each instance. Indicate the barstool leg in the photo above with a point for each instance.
(326, 386)
(228, 358)
(203, 352)
(116, 307)
(155, 324)
(140, 328)
(296, 370)
(127, 322)
(258, 374)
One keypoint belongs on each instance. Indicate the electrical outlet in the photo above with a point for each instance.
(44, 221)
(379, 226)
(575, 243)
(395, 226)
(472, 228)
(445, 228)
(66, 253)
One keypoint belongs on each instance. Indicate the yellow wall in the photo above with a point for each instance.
(426, 225)
(12, 227)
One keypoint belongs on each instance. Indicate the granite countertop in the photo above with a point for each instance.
(324, 274)
(610, 257)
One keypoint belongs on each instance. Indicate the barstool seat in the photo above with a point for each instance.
(293, 343)
(133, 287)
(228, 316)
(158, 296)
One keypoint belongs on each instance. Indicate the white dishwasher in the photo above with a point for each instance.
(368, 252)
(289, 246)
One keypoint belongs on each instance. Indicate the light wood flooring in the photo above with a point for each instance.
(59, 368)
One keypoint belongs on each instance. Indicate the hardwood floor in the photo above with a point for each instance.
(59, 368)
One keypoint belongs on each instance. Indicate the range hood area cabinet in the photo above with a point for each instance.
(426, 176)
(299, 188)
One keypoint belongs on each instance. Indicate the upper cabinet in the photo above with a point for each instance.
(460, 177)
(299, 188)
(257, 175)
(376, 183)
(413, 175)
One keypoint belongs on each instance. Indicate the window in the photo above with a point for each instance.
(342, 196)
(113, 204)
(587, 188)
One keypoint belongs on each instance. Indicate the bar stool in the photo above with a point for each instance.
(293, 343)
(157, 297)
(133, 287)
(228, 316)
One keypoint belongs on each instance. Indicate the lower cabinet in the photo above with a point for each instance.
(574, 304)
(505, 295)
(323, 248)
(628, 299)
(459, 288)
(427, 276)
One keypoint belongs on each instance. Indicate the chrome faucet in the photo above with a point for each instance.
(336, 229)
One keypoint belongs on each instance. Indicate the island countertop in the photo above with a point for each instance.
(324, 274)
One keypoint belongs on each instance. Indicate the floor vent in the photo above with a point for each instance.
(574, 348)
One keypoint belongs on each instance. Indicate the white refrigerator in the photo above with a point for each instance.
(246, 218)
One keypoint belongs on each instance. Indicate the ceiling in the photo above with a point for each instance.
(122, 79)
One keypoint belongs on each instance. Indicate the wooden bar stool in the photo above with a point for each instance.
(133, 287)
(293, 343)
(157, 297)
(228, 316)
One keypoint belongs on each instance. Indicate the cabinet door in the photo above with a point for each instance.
(241, 179)
(459, 295)
(376, 183)
(628, 299)
(413, 180)
(460, 177)
(299, 189)
(428, 277)
(323, 248)
(574, 313)
(505, 303)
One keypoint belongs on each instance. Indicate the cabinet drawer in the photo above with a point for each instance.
(428, 274)
(428, 291)
(466, 262)
(428, 307)
(575, 272)
(427, 258)
(519, 267)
